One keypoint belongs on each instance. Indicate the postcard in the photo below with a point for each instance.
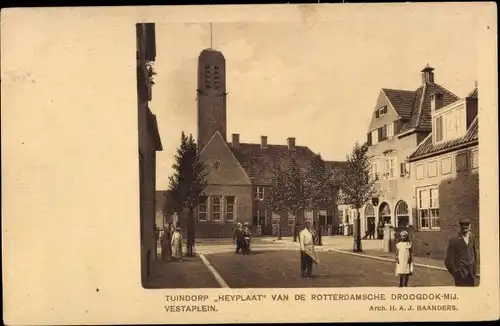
(250, 164)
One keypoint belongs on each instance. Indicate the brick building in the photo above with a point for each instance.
(239, 174)
(445, 175)
(149, 144)
(401, 120)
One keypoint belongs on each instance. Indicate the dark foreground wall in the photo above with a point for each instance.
(458, 198)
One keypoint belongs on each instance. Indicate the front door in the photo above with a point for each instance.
(403, 221)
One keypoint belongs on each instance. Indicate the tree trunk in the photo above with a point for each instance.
(279, 229)
(357, 237)
(190, 233)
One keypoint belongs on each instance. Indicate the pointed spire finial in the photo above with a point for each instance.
(211, 35)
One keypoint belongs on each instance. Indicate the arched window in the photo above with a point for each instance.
(370, 218)
(402, 214)
(369, 210)
(385, 213)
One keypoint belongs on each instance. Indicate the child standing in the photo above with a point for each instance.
(404, 266)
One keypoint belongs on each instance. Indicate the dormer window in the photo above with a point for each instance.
(449, 125)
(381, 112)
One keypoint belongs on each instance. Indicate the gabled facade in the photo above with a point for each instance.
(400, 121)
(445, 176)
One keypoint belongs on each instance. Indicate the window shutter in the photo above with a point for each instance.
(396, 127)
(376, 114)
(402, 169)
(369, 138)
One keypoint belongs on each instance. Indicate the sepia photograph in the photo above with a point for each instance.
(359, 173)
(249, 164)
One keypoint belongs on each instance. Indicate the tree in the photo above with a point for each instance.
(357, 185)
(294, 194)
(319, 187)
(276, 199)
(187, 183)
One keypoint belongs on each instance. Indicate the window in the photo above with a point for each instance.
(202, 209)
(402, 214)
(208, 77)
(439, 129)
(420, 171)
(374, 172)
(428, 208)
(475, 159)
(390, 130)
(216, 77)
(230, 203)
(390, 168)
(291, 219)
(375, 136)
(404, 169)
(259, 193)
(432, 169)
(382, 111)
(308, 216)
(383, 133)
(216, 212)
(446, 165)
(462, 162)
(341, 216)
(451, 125)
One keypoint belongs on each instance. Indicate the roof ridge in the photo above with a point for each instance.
(398, 89)
(421, 105)
(447, 90)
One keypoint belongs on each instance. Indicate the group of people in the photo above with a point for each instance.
(461, 257)
(241, 238)
(371, 228)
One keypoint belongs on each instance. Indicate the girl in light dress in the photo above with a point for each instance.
(177, 245)
(404, 265)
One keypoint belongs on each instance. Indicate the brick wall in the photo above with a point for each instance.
(458, 198)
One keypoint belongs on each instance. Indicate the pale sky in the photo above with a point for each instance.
(316, 82)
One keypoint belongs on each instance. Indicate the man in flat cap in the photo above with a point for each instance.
(461, 256)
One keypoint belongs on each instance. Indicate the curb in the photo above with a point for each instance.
(387, 259)
(216, 274)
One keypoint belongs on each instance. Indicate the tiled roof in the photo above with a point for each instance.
(473, 94)
(421, 111)
(426, 148)
(401, 100)
(336, 165)
(259, 162)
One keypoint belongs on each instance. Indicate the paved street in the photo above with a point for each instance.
(279, 268)
(275, 263)
(191, 273)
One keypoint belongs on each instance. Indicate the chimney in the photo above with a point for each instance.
(428, 75)
(236, 141)
(263, 141)
(291, 143)
(436, 101)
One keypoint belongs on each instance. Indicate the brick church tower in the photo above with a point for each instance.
(211, 96)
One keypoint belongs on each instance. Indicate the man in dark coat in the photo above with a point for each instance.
(461, 256)
(238, 237)
(371, 229)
